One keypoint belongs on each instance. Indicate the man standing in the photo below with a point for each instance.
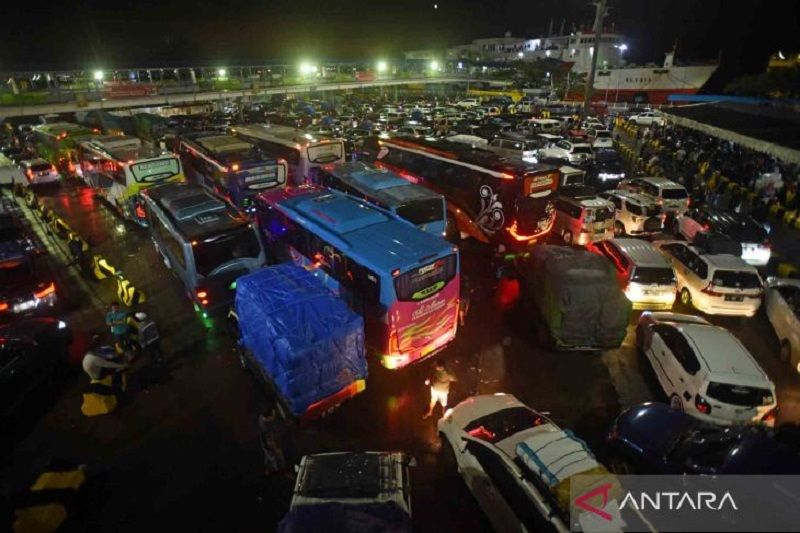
(117, 321)
(439, 382)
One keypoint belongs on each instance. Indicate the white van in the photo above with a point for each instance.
(582, 217)
(547, 125)
(672, 197)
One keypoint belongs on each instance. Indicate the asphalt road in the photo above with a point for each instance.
(183, 450)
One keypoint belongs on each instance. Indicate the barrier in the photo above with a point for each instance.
(101, 268)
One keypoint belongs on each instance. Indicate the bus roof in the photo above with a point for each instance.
(286, 135)
(196, 212)
(57, 128)
(123, 148)
(220, 144)
(363, 230)
(465, 153)
(384, 185)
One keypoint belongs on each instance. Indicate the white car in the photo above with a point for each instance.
(563, 150)
(468, 103)
(516, 462)
(648, 118)
(39, 171)
(716, 284)
(782, 303)
(600, 138)
(671, 196)
(705, 371)
(592, 123)
(743, 229)
(635, 213)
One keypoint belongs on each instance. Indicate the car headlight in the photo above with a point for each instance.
(62, 324)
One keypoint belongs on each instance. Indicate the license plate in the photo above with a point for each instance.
(733, 298)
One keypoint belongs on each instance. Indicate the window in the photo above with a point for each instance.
(425, 281)
(696, 264)
(733, 279)
(169, 244)
(739, 395)
(679, 347)
(653, 275)
(214, 252)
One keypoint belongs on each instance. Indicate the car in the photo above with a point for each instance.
(782, 304)
(635, 214)
(592, 123)
(568, 152)
(26, 287)
(652, 438)
(716, 284)
(744, 229)
(496, 442)
(39, 171)
(468, 103)
(705, 371)
(644, 274)
(582, 217)
(413, 131)
(606, 169)
(33, 352)
(514, 147)
(648, 118)
(600, 138)
(671, 196)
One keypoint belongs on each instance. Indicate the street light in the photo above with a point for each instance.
(98, 75)
(520, 55)
(434, 65)
(222, 73)
(383, 66)
(623, 47)
(307, 68)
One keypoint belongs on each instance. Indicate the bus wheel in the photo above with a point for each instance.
(451, 231)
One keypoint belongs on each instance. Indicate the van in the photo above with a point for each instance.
(547, 125)
(582, 217)
(644, 274)
(514, 148)
(636, 214)
(672, 197)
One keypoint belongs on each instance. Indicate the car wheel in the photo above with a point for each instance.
(621, 467)
(786, 351)
(619, 229)
(675, 402)
(686, 297)
(567, 237)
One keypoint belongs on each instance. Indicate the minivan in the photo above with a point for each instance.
(636, 214)
(672, 197)
(644, 274)
(582, 217)
(514, 148)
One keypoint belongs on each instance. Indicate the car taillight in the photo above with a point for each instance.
(140, 212)
(769, 417)
(711, 292)
(702, 404)
(3, 306)
(202, 295)
(29, 173)
(53, 168)
(50, 289)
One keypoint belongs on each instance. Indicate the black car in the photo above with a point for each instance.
(26, 285)
(33, 353)
(605, 170)
(653, 438)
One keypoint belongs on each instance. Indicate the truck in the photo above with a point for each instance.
(299, 340)
(577, 298)
(354, 492)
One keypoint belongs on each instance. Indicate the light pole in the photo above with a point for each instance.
(600, 13)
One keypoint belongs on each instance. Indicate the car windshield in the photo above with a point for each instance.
(702, 446)
(581, 150)
(739, 394)
(502, 424)
(603, 134)
(653, 275)
(734, 279)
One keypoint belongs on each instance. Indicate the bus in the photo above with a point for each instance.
(403, 281)
(414, 203)
(205, 240)
(58, 143)
(229, 166)
(305, 152)
(119, 167)
(509, 204)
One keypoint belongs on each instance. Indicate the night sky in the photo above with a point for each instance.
(97, 34)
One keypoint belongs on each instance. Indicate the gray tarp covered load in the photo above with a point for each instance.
(578, 297)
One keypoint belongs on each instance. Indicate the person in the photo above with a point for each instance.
(439, 382)
(117, 321)
(268, 435)
(100, 361)
(464, 302)
(145, 332)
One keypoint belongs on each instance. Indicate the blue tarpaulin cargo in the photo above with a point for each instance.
(308, 342)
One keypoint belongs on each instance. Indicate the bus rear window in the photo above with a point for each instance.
(153, 171)
(425, 281)
(739, 394)
(422, 211)
(212, 253)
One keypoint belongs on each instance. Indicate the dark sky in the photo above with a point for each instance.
(94, 33)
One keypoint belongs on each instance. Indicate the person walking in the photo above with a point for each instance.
(274, 460)
(439, 382)
(117, 321)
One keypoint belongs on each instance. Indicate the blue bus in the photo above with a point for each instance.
(231, 167)
(414, 203)
(403, 281)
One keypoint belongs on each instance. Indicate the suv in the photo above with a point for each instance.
(644, 274)
(705, 371)
(741, 228)
(39, 171)
(635, 214)
(563, 150)
(600, 138)
(582, 217)
(716, 284)
(672, 197)
(648, 118)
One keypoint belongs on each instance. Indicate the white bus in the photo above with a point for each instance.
(305, 152)
(120, 167)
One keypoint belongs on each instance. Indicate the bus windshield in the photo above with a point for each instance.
(155, 170)
(213, 252)
(328, 152)
(420, 212)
